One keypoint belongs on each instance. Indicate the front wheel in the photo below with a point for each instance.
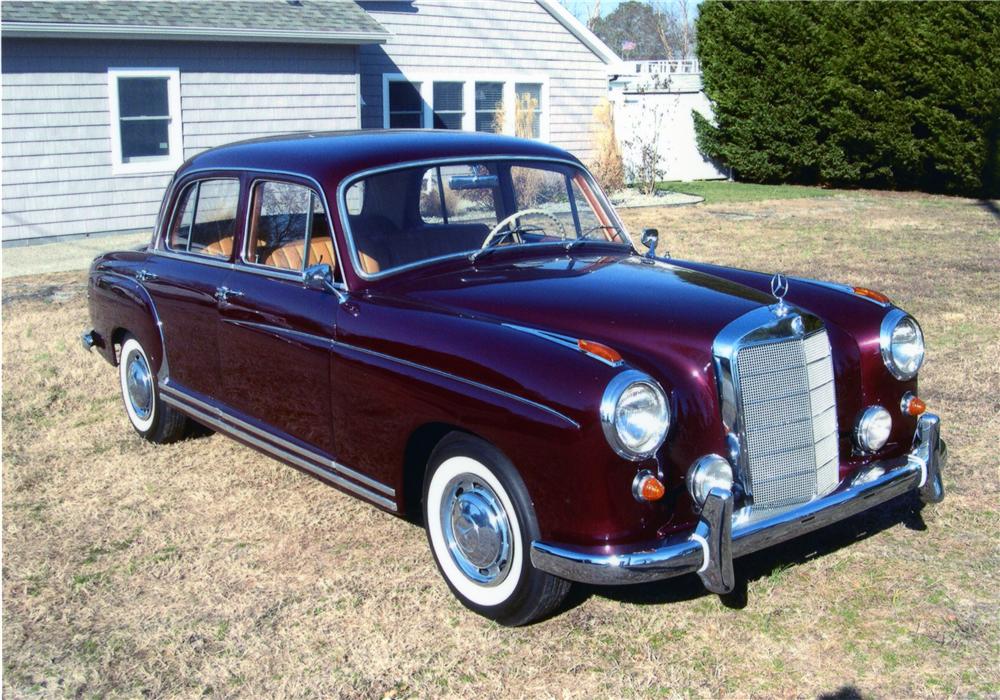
(151, 418)
(480, 524)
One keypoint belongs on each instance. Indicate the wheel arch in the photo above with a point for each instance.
(419, 447)
(118, 306)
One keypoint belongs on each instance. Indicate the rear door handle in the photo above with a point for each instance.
(222, 294)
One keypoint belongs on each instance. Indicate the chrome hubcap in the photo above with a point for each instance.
(139, 385)
(476, 530)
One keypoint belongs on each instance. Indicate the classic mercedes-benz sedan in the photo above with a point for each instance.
(458, 329)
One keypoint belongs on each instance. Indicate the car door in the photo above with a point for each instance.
(276, 334)
(194, 254)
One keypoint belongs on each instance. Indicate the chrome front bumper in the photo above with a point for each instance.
(717, 539)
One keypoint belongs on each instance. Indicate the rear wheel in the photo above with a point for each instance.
(149, 416)
(480, 524)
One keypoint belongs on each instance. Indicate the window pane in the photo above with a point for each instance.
(405, 106)
(355, 198)
(470, 204)
(529, 110)
(215, 217)
(448, 97)
(430, 198)
(180, 234)
(290, 229)
(448, 121)
(489, 107)
(205, 217)
(142, 97)
(404, 121)
(448, 105)
(144, 138)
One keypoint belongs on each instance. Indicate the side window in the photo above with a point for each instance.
(288, 228)
(205, 218)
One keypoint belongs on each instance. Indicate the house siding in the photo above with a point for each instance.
(484, 36)
(56, 124)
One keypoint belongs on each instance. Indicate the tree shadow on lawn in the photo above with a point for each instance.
(905, 509)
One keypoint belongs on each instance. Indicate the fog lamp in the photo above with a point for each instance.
(873, 428)
(707, 473)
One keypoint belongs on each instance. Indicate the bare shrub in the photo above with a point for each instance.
(607, 165)
(645, 163)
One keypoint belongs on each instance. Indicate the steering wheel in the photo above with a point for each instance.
(496, 231)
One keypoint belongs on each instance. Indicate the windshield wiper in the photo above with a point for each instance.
(599, 227)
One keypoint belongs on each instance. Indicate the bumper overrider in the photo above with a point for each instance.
(710, 549)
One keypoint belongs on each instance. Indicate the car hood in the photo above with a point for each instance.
(647, 310)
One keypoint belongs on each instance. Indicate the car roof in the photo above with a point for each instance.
(331, 156)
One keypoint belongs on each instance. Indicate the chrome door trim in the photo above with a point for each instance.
(263, 171)
(324, 467)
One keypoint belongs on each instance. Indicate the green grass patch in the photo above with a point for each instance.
(717, 191)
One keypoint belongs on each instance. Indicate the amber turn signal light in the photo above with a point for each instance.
(913, 405)
(872, 294)
(647, 487)
(599, 350)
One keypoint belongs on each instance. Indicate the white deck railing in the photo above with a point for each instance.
(685, 65)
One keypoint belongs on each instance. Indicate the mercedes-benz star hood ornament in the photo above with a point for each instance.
(779, 288)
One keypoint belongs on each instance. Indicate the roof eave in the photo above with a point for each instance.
(44, 30)
(580, 31)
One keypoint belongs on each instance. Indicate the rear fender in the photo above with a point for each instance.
(119, 305)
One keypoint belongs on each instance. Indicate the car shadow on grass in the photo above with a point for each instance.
(905, 510)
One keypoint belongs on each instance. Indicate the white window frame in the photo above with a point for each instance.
(427, 80)
(168, 163)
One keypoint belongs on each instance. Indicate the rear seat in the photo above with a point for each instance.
(291, 255)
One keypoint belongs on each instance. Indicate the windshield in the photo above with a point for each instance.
(409, 216)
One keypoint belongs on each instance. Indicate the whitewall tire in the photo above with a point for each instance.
(149, 416)
(480, 524)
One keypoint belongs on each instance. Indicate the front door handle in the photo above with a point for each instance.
(144, 276)
(222, 294)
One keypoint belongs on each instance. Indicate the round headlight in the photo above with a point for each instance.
(874, 427)
(902, 344)
(635, 415)
(709, 472)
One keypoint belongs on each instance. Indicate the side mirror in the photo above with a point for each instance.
(650, 237)
(320, 276)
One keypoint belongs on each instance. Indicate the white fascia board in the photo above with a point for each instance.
(111, 31)
(589, 39)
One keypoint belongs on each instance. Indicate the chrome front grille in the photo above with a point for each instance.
(784, 395)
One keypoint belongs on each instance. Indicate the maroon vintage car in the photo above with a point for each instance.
(457, 328)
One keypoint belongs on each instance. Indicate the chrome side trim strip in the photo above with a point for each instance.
(284, 333)
(311, 468)
(327, 465)
(468, 382)
(563, 340)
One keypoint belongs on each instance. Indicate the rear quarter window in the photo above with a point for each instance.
(204, 220)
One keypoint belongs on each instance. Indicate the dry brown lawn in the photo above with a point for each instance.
(204, 568)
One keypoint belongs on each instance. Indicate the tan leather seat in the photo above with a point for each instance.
(291, 255)
(223, 248)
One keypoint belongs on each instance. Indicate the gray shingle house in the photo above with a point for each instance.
(102, 100)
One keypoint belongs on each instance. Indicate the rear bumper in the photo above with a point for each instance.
(719, 537)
